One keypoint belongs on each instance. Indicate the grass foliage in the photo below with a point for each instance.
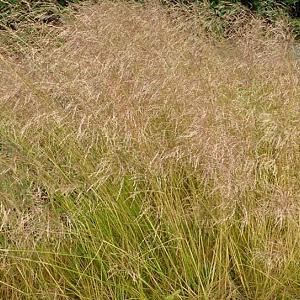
(142, 158)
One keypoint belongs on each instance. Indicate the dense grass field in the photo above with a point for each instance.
(143, 157)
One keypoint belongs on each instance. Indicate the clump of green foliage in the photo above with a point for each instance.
(269, 9)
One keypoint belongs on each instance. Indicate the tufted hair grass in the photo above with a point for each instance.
(142, 158)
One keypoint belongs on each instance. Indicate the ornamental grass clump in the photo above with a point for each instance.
(141, 157)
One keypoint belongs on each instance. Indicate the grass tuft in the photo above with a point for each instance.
(141, 157)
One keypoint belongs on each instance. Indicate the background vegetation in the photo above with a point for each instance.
(144, 157)
(13, 11)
